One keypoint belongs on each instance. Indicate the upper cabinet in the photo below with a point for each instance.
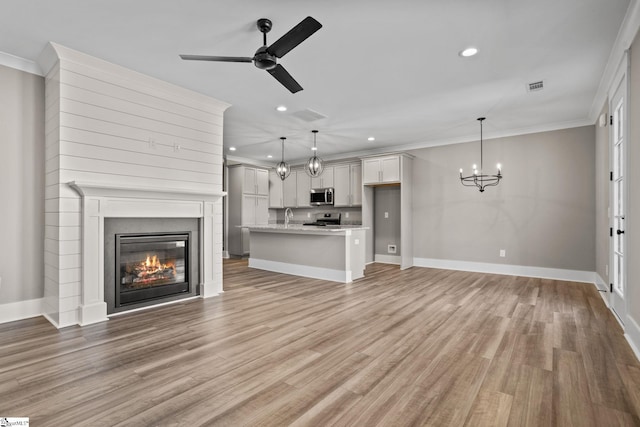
(381, 170)
(326, 180)
(303, 190)
(275, 191)
(347, 185)
(296, 189)
(256, 181)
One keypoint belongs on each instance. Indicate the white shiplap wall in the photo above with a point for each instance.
(110, 125)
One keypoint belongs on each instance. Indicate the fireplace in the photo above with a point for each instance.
(150, 266)
(150, 261)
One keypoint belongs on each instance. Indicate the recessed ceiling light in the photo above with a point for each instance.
(314, 148)
(281, 108)
(269, 156)
(371, 138)
(232, 148)
(470, 51)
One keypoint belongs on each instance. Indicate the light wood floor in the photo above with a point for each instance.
(413, 347)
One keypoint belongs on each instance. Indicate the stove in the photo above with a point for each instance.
(324, 219)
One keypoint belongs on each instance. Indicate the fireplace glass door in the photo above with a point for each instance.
(151, 266)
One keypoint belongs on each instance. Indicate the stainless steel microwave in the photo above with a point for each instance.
(321, 196)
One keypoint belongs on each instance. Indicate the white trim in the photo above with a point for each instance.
(301, 270)
(92, 313)
(625, 37)
(632, 335)
(95, 189)
(601, 285)
(511, 270)
(387, 259)
(20, 310)
(21, 64)
(152, 306)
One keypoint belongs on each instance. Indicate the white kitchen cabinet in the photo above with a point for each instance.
(296, 190)
(381, 170)
(303, 189)
(256, 181)
(276, 191)
(289, 188)
(326, 180)
(348, 185)
(248, 192)
(356, 184)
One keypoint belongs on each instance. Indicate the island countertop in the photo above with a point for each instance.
(304, 229)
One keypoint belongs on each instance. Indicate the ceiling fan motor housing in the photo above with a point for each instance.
(264, 60)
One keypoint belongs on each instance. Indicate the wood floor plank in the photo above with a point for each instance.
(398, 347)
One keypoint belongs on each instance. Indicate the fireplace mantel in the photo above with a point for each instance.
(100, 201)
(94, 189)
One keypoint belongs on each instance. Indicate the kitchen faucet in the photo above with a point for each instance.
(288, 216)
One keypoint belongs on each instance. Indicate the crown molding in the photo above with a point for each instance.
(21, 64)
(626, 35)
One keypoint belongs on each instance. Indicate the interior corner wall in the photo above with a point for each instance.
(386, 201)
(542, 213)
(22, 186)
(602, 168)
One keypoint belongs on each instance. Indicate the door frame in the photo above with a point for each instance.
(621, 77)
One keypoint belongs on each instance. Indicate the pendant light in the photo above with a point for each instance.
(478, 178)
(283, 169)
(315, 165)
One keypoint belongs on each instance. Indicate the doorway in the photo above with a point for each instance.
(618, 191)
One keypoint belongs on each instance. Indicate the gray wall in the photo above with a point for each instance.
(542, 214)
(21, 186)
(387, 230)
(602, 196)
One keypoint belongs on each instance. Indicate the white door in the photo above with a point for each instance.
(618, 198)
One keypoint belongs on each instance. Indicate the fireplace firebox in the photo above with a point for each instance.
(150, 261)
(151, 266)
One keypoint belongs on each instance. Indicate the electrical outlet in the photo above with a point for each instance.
(503, 253)
(391, 249)
(356, 241)
(346, 215)
(308, 214)
(386, 214)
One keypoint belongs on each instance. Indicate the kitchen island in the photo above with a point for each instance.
(335, 253)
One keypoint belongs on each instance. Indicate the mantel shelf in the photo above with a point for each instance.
(94, 189)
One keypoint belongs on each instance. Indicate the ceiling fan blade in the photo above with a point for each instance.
(216, 58)
(285, 78)
(294, 37)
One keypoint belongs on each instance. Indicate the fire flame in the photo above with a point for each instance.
(151, 266)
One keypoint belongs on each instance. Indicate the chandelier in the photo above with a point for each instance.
(315, 165)
(283, 169)
(478, 178)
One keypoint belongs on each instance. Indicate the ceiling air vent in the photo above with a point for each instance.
(535, 86)
(308, 115)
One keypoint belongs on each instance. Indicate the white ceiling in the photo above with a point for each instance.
(376, 68)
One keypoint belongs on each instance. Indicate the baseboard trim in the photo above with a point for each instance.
(387, 259)
(632, 335)
(301, 270)
(20, 310)
(507, 269)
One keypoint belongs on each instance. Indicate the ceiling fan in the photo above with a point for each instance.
(266, 57)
